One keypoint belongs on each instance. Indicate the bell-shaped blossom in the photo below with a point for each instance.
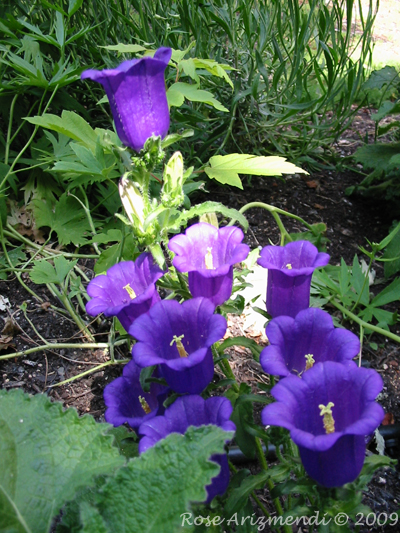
(208, 254)
(329, 411)
(126, 291)
(297, 343)
(127, 402)
(137, 95)
(178, 337)
(192, 411)
(290, 270)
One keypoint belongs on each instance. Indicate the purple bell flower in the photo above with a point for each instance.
(192, 411)
(297, 343)
(178, 337)
(329, 411)
(208, 254)
(137, 95)
(127, 402)
(126, 291)
(290, 269)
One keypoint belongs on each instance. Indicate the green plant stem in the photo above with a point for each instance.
(91, 371)
(13, 234)
(8, 141)
(366, 280)
(275, 212)
(270, 483)
(68, 306)
(227, 370)
(86, 208)
(364, 324)
(57, 345)
(253, 494)
(18, 157)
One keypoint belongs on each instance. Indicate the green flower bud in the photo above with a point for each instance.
(172, 191)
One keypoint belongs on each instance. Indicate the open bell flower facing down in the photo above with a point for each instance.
(178, 337)
(329, 411)
(208, 254)
(192, 411)
(137, 95)
(297, 343)
(127, 402)
(126, 291)
(290, 270)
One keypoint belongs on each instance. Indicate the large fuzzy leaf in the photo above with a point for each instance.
(46, 455)
(153, 491)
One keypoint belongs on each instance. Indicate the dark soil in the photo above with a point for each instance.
(319, 197)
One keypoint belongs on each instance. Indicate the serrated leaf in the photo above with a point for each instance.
(44, 272)
(379, 78)
(178, 91)
(377, 156)
(46, 455)
(150, 494)
(212, 207)
(226, 168)
(67, 219)
(69, 124)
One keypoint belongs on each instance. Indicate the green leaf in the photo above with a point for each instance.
(73, 6)
(44, 272)
(359, 282)
(125, 48)
(392, 251)
(391, 293)
(377, 156)
(226, 168)
(239, 496)
(152, 491)
(242, 416)
(382, 77)
(112, 255)
(67, 219)
(46, 455)
(211, 207)
(178, 91)
(69, 124)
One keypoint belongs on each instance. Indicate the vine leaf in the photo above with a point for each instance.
(226, 168)
(46, 455)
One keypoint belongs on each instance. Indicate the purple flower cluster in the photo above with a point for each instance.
(324, 400)
(174, 337)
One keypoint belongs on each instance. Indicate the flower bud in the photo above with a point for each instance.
(132, 201)
(172, 191)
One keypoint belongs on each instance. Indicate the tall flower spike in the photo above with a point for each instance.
(192, 411)
(290, 269)
(137, 95)
(126, 291)
(332, 447)
(296, 344)
(208, 254)
(178, 337)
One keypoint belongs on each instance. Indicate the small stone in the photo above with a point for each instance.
(60, 371)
